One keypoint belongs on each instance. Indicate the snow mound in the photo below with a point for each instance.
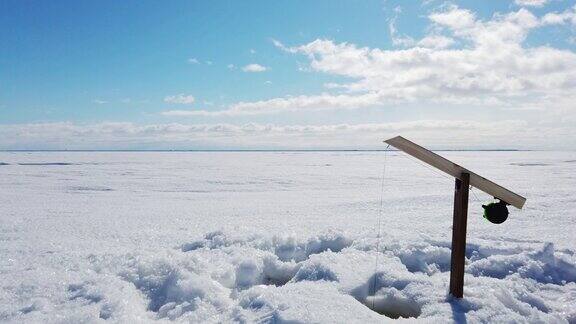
(225, 277)
(286, 248)
(282, 278)
(542, 266)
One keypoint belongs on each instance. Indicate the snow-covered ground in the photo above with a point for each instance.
(278, 237)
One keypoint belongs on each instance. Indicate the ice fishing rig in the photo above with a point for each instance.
(495, 212)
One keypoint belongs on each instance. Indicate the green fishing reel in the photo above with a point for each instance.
(496, 212)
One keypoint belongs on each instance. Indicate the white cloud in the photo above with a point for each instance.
(99, 101)
(175, 113)
(559, 18)
(398, 40)
(464, 62)
(493, 67)
(254, 68)
(281, 46)
(531, 3)
(180, 99)
(333, 85)
(436, 42)
(464, 134)
(193, 60)
(231, 66)
(454, 18)
(298, 103)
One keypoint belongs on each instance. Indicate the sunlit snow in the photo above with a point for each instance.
(278, 237)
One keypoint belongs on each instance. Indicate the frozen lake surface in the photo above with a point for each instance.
(278, 236)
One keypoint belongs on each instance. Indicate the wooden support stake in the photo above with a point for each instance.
(459, 235)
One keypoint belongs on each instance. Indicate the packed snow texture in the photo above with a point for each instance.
(276, 237)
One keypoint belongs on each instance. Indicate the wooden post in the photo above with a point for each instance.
(459, 235)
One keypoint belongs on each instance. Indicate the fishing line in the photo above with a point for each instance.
(474, 195)
(444, 175)
(380, 208)
(408, 157)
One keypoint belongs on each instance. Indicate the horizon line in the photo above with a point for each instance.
(266, 150)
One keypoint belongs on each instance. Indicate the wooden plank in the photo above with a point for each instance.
(456, 170)
(459, 222)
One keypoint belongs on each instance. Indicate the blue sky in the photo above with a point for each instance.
(286, 74)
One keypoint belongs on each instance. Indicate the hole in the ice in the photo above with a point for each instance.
(393, 304)
(385, 295)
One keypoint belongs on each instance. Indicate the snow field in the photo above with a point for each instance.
(276, 237)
